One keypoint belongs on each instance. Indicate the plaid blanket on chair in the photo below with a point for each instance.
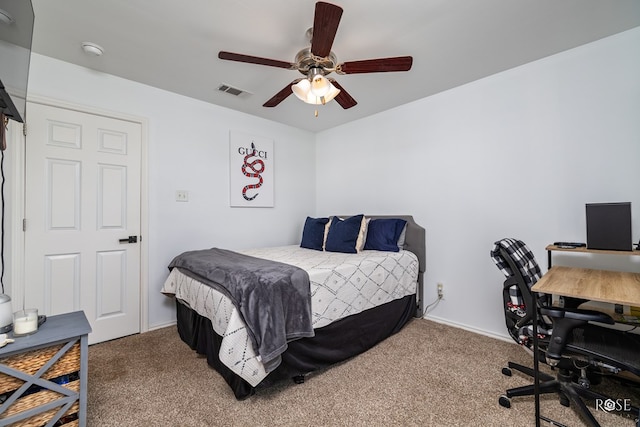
(525, 261)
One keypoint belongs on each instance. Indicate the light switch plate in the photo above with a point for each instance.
(182, 196)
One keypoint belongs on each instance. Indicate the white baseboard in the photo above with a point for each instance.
(470, 328)
(162, 326)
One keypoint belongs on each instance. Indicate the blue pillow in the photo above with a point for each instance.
(313, 233)
(343, 234)
(383, 234)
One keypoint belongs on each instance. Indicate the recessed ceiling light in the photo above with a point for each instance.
(92, 48)
(5, 17)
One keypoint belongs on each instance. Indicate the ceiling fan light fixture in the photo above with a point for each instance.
(318, 61)
(320, 85)
(331, 93)
(316, 89)
(303, 90)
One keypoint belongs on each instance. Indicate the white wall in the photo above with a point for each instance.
(517, 154)
(188, 150)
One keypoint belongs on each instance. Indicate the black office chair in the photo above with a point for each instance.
(580, 351)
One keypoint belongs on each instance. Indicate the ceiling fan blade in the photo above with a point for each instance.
(230, 56)
(380, 65)
(280, 96)
(343, 98)
(325, 25)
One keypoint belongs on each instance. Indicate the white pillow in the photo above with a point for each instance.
(362, 234)
(326, 231)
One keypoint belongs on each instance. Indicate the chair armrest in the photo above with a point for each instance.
(577, 314)
(565, 320)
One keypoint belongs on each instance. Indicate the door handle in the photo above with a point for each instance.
(130, 239)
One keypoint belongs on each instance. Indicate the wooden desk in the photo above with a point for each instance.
(598, 285)
(585, 250)
(592, 251)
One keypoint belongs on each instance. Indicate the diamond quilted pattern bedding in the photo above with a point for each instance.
(341, 285)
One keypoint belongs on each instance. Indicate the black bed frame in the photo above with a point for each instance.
(331, 344)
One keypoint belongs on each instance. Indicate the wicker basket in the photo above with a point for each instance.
(30, 363)
(38, 399)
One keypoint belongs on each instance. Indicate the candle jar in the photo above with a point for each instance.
(25, 322)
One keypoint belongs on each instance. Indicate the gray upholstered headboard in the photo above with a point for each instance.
(414, 242)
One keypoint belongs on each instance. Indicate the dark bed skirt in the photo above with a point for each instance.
(331, 344)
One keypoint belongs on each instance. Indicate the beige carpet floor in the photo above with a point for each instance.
(428, 374)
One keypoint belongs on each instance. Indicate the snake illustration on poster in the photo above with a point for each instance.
(250, 170)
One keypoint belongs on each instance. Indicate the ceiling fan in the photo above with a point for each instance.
(318, 61)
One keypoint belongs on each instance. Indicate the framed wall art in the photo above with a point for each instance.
(251, 170)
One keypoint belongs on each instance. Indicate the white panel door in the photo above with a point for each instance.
(82, 198)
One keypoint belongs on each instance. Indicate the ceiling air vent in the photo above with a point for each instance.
(233, 90)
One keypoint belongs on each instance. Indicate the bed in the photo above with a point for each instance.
(356, 300)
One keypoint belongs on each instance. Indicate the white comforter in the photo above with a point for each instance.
(341, 285)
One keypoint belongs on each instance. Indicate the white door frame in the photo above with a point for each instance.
(17, 245)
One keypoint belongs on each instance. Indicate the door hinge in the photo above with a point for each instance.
(24, 128)
(24, 224)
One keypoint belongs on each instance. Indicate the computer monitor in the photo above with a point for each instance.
(609, 226)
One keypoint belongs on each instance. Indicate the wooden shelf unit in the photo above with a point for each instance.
(43, 376)
(585, 250)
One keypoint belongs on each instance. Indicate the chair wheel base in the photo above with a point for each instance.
(504, 402)
(298, 379)
(506, 372)
(564, 400)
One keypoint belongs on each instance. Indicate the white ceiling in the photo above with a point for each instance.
(173, 45)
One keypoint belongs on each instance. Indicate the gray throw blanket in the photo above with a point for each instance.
(273, 298)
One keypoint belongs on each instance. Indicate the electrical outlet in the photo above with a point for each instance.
(440, 291)
(182, 196)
